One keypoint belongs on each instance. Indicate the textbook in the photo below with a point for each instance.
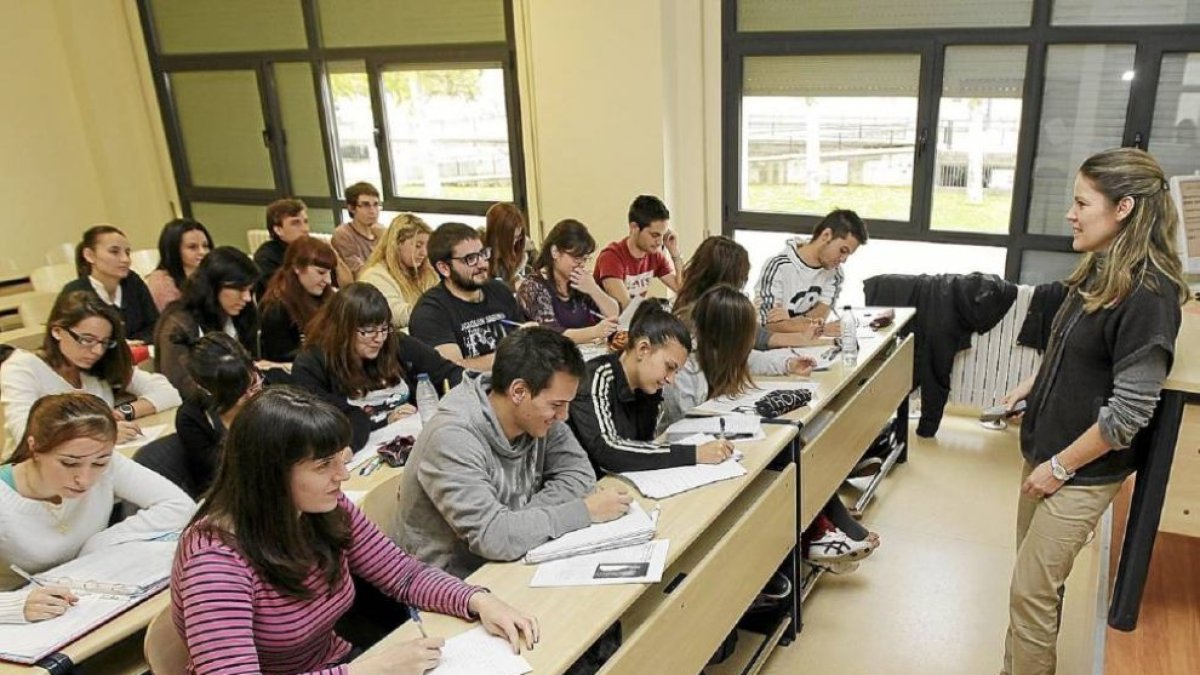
(108, 582)
(635, 527)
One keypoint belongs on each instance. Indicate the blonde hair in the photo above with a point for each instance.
(1147, 235)
(413, 281)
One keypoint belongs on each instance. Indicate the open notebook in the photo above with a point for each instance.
(108, 582)
(635, 527)
(662, 483)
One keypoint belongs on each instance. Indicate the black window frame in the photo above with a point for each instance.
(376, 59)
(1151, 42)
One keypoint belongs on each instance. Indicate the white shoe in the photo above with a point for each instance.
(836, 546)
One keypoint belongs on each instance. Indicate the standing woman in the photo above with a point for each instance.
(57, 493)
(505, 233)
(1111, 346)
(356, 361)
(181, 246)
(399, 266)
(84, 349)
(264, 570)
(294, 295)
(616, 409)
(102, 260)
(561, 294)
(216, 298)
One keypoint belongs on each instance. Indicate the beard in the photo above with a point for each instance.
(465, 282)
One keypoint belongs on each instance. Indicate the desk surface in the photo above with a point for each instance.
(1185, 373)
(566, 631)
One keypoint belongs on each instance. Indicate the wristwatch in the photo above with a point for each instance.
(126, 410)
(1060, 472)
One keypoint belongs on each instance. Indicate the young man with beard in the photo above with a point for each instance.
(496, 471)
(466, 315)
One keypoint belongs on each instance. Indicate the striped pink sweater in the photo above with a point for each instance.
(234, 622)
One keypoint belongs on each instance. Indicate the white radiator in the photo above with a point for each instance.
(995, 363)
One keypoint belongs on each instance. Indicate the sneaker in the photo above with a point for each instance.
(835, 546)
(773, 594)
(845, 567)
(868, 466)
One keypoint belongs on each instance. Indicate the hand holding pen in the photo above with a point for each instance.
(45, 602)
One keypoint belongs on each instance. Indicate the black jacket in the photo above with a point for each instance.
(949, 308)
(279, 337)
(137, 309)
(616, 424)
(1035, 329)
(311, 371)
(200, 433)
(268, 257)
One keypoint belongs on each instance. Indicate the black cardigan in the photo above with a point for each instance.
(137, 309)
(311, 371)
(200, 433)
(279, 337)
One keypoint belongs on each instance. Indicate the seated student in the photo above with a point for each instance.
(800, 286)
(496, 472)
(399, 267)
(216, 298)
(561, 294)
(723, 323)
(83, 349)
(466, 315)
(625, 268)
(287, 221)
(102, 260)
(181, 246)
(225, 378)
(57, 493)
(504, 233)
(256, 589)
(356, 240)
(721, 260)
(354, 359)
(294, 295)
(615, 412)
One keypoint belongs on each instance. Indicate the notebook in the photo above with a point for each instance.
(662, 483)
(108, 582)
(641, 564)
(477, 652)
(635, 527)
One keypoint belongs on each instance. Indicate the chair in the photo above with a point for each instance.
(52, 278)
(143, 261)
(34, 310)
(256, 238)
(62, 253)
(166, 653)
(380, 503)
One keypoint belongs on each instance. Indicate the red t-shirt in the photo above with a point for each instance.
(615, 262)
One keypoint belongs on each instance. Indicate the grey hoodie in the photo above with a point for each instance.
(469, 496)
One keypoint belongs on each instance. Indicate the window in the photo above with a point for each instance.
(357, 154)
(1175, 135)
(791, 15)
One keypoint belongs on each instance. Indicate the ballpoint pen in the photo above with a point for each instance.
(370, 467)
(721, 422)
(26, 576)
(416, 617)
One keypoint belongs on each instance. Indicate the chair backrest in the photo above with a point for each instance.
(51, 278)
(166, 457)
(34, 310)
(62, 253)
(256, 238)
(380, 503)
(143, 261)
(166, 653)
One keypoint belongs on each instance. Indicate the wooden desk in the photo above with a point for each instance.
(726, 541)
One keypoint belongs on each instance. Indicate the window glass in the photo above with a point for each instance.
(776, 15)
(221, 123)
(212, 26)
(362, 23)
(1124, 13)
(354, 123)
(302, 128)
(1175, 134)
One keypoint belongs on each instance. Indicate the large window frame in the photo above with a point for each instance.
(1150, 42)
(317, 56)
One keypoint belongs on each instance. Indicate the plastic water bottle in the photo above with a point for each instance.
(427, 398)
(849, 336)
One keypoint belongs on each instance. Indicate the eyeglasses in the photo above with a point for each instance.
(587, 258)
(89, 341)
(372, 331)
(472, 259)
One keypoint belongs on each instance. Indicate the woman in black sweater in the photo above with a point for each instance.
(102, 260)
(354, 360)
(299, 289)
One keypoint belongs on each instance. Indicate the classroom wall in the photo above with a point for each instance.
(79, 139)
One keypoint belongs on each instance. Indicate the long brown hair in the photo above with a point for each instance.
(508, 253)
(334, 330)
(285, 288)
(725, 323)
(1147, 236)
(412, 281)
(116, 366)
(250, 505)
(718, 260)
(58, 418)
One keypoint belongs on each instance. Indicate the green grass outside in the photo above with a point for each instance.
(951, 210)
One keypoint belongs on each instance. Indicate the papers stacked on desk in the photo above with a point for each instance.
(409, 426)
(662, 483)
(744, 403)
(635, 527)
(477, 652)
(108, 582)
(641, 564)
(738, 427)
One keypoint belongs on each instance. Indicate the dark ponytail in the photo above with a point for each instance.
(652, 321)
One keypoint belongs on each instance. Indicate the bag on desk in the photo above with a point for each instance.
(782, 401)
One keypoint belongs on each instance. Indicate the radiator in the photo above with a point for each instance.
(995, 363)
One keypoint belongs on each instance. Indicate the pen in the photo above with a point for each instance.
(598, 315)
(26, 576)
(416, 617)
(721, 421)
(370, 467)
(514, 324)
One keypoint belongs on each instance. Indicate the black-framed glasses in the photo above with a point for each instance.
(372, 331)
(89, 341)
(472, 259)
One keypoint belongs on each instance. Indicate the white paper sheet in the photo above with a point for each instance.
(642, 564)
(26, 643)
(662, 483)
(476, 652)
(409, 426)
(634, 527)
(148, 434)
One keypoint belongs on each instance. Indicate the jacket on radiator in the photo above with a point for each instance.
(949, 308)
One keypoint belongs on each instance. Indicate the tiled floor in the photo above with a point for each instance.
(933, 598)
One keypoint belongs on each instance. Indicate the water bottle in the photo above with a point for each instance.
(849, 337)
(427, 398)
